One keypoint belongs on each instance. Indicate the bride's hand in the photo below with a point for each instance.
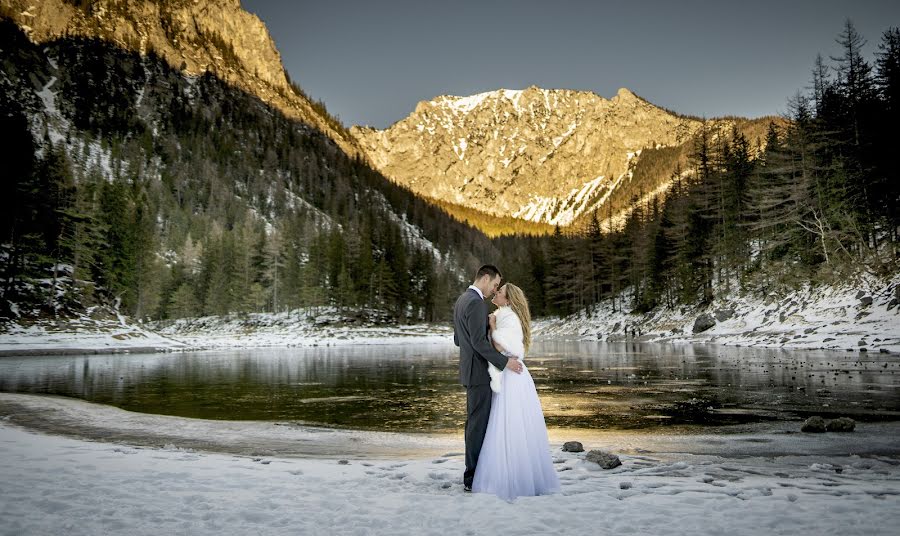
(492, 321)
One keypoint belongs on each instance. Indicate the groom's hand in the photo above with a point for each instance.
(513, 364)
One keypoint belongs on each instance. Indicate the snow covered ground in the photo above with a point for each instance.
(293, 328)
(765, 482)
(298, 328)
(862, 316)
(82, 335)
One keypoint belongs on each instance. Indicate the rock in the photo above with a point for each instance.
(841, 424)
(883, 351)
(861, 342)
(809, 330)
(723, 314)
(572, 446)
(343, 462)
(860, 294)
(813, 425)
(603, 459)
(865, 302)
(624, 485)
(703, 323)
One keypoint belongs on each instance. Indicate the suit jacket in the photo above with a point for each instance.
(470, 332)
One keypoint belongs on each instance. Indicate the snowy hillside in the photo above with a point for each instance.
(864, 316)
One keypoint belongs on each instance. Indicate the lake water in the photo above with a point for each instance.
(582, 385)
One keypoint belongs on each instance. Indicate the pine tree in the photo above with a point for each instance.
(888, 81)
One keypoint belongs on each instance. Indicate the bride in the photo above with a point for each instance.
(515, 457)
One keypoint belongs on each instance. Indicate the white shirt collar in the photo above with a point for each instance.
(478, 290)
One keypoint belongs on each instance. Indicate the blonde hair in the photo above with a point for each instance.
(519, 305)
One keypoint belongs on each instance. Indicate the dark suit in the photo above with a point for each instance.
(470, 332)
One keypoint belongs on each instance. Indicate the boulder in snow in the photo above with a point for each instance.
(703, 323)
(724, 314)
(572, 446)
(603, 459)
(813, 425)
(841, 424)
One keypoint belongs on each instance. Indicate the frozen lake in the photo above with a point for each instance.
(586, 386)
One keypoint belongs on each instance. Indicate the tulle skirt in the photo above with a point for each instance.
(515, 456)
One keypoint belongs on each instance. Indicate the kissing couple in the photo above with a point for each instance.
(507, 450)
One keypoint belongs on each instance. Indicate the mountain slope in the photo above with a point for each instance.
(196, 37)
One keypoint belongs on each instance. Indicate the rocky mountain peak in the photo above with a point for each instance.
(542, 155)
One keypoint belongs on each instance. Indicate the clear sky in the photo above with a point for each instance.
(371, 61)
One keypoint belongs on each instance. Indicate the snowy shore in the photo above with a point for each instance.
(290, 329)
(863, 316)
(101, 482)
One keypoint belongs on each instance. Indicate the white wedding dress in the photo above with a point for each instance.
(515, 456)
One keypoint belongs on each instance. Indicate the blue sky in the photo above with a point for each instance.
(372, 61)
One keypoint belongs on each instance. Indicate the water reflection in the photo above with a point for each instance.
(581, 384)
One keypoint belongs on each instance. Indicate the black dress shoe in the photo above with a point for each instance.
(467, 489)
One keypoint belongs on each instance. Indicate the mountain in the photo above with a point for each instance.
(128, 181)
(195, 37)
(544, 156)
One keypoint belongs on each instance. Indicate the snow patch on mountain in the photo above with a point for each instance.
(563, 211)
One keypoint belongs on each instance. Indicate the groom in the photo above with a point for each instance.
(470, 333)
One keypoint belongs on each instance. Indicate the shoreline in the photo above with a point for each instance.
(89, 421)
(85, 342)
(860, 316)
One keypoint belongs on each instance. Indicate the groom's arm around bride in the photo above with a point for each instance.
(471, 335)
